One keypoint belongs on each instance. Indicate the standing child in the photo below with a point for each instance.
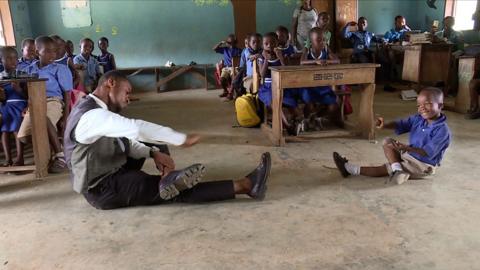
(361, 40)
(105, 59)
(15, 104)
(28, 54)
(429, 139)
(88, 64)
(58, 86)
(324, 95)
(229, 50)
(272, 57)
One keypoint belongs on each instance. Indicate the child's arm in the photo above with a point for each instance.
(280, 56)
(333, 58)
(406, 148)
(304, 58)
(19, 89)
(380, 124)
(2, 94)
(114, 64)
(345, 32)
(217, 46)
(264, 66)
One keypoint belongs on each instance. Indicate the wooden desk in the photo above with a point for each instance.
(427, 63)
(466, 70)
(310, 76)
(37, 105)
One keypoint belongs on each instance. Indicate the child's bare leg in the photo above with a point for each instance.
(19, 161)
(6, 148)
(379, 171)
(309, 109)
(392, 155)
(335, 115)
(53, 137)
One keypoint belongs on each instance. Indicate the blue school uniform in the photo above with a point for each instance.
(228, 54)
(91, 67)
(58, 75)
(247, 62)
(63, 60)
(361, 39)
(395, 35)
(319, 94)
(24, 63)
(12, 110)
(287, 51)
(265, 91)
(433, 138)
(105, 60)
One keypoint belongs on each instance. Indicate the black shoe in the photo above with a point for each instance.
(340, 163)
(472, 114)
(177, 181)
(259, 177)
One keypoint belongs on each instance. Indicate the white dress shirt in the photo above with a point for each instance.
(101, 122)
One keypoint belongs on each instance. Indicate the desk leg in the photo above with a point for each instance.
(206, 78)
(38, 114)
(366, 117)
(277, 97)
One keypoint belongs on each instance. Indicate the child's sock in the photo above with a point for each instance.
(352, 168)
(60, 155)
(396, 167)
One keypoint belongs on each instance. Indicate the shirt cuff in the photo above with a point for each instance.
(138, 150)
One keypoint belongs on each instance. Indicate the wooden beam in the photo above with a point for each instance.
(173, 75)
(245, 18)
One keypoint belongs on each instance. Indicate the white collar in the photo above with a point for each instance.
(99, 101)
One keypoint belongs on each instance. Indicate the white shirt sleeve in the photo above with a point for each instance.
(98, 123)
(296, 12)
(138, 150)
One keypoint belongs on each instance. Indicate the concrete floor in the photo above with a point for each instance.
(311, 218)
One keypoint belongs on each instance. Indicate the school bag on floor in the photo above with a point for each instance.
(246, 108)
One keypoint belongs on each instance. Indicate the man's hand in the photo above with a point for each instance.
(163, 162)
(379, 122)
(191, 140)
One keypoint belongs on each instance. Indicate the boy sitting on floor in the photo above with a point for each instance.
(429, 138)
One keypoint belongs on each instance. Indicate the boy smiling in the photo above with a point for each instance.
(429, 138)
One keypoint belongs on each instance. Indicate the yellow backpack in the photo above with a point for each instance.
(246, 109)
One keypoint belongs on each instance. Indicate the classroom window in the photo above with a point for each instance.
(463, 11)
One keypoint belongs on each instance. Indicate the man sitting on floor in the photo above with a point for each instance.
(105, 155)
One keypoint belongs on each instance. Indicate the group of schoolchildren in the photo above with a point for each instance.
(69, 77)
(429, 132)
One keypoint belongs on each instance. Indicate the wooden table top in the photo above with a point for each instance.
(23, 80)
(319, 67)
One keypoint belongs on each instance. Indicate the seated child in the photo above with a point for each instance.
(229, 50)
(58, 87)
(449, 35)
(397, 34)
(69, 49)
(429, 138)
(361, 41)
(323, 22)
(324, 95)
(237, 81)
(252, 52)
(61, 45)
(271, 57)
(287, 49)
(11, 111)
(88, 64)
(105, 59)
(28, 54)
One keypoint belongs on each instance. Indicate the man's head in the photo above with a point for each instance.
(362, 24)
(28, 48)
(46, 50)
(114, 89)
(430, 103)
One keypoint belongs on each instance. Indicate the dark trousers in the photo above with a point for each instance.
(132, 187)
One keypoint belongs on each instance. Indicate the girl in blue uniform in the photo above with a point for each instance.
(271, 57)
(105, 59)
(11, 111)
(324, 95)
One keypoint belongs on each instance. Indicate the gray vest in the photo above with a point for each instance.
(91, 163)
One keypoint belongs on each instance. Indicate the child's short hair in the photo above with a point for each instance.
(255, 35)
(56, 38)
(282, 29)
(436, 93)
(362, 18)
(104, 39)
(86, 40)
(27, 41)
(399, 17)
(41, 41)
(69, 41)
(233, 37)
(317, 30)
(272, 35)
(6, 50)
(449, 17)
(323, 14)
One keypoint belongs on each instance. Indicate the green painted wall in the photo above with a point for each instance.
(148, 32)
(21, 20)
(272, 13)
